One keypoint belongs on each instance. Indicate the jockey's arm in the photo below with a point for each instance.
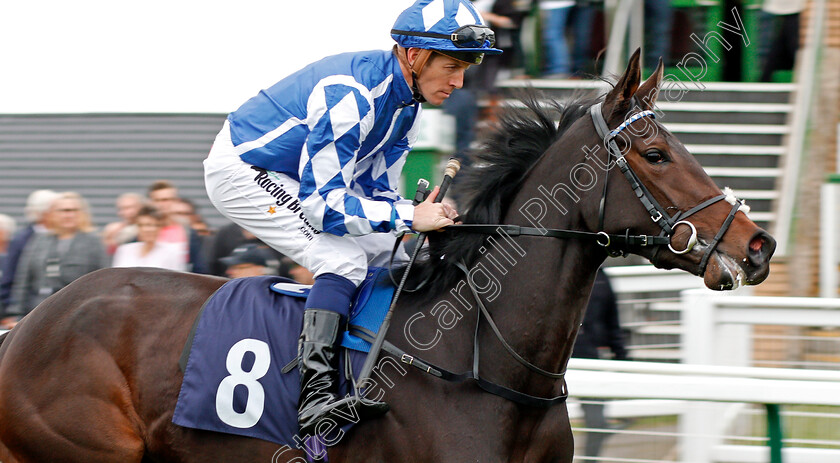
(328, 168)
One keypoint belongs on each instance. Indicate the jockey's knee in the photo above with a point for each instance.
(331, 292)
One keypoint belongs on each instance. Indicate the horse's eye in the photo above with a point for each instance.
(654, 156)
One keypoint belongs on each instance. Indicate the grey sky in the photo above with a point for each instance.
(172, 55)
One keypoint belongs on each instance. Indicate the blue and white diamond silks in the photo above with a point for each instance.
(328, 126)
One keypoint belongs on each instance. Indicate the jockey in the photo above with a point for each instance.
(311, 166)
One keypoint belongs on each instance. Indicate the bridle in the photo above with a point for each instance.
(657, 213)
(614, 244)
(620, 244)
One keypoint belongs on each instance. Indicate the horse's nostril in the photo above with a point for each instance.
(756, 244)
(761, 247)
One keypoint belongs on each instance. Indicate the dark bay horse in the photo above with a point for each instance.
(92, 374)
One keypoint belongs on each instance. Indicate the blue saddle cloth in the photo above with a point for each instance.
(246, 333)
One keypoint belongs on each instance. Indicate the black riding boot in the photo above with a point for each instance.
(319, 376)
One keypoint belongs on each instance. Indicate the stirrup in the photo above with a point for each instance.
(349, 409)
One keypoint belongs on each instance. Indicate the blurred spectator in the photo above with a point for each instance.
(463, 107)
(124, 230)
(54, 259)
(505, 17)
(7, 229)
(599, 332)
(555, 13)
(224, 241)
(231, 236)
(779, 35)
(508, 17)
(37, 214)
(582, 22)
(299, 273)
(480, 81)
(248, 260)
(164, 196)
(659, 19)
(148, 251)
(185, 211)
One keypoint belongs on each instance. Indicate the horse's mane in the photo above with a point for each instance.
(495, 174)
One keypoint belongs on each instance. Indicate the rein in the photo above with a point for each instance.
(473, 375)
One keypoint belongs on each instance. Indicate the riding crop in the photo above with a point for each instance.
(452, 168)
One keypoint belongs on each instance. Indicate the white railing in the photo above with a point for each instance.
(702, 427)
(712, 390)
(647, 278)
(717, 327)
(643, 380)
(829, 228)
(718, 330)
(648, 300)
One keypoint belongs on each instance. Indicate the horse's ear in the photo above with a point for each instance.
(649, 90)
(617, 102)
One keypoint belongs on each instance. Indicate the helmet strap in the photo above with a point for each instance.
(416, 68)
(420, 62)
(418, 97)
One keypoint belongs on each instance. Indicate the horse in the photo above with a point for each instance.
(91, 375)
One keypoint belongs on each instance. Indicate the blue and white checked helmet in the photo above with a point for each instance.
(452, 26)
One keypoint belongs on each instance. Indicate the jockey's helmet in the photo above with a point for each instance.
(450, 27)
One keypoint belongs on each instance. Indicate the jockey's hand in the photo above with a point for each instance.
(430, 215)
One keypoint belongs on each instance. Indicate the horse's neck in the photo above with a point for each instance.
(534, 288)
(543, 296)
(540, 305)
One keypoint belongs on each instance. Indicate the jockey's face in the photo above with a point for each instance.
(440, 77)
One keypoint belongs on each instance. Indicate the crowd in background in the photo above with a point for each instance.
(572, 39)
(160, 229)
(571, 35)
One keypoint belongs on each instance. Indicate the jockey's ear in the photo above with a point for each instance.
(649, 90)
(617, 102)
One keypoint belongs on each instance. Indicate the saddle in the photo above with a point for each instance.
(239, 360)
